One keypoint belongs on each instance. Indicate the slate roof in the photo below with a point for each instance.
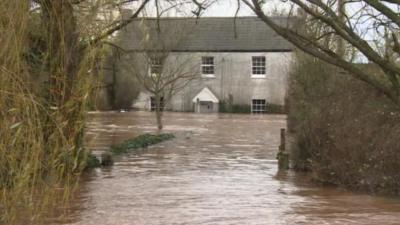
(207, 34)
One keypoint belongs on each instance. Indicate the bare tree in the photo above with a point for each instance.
(369, 28)
(159, 69)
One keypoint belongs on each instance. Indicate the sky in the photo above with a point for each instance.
(221, 8)
(227, 8)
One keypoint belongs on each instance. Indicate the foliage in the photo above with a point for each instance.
(40, 144)
(345, 131)
(141, 141)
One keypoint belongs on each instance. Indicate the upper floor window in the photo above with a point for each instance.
(155, 65)
(207, 65)
(258, 65)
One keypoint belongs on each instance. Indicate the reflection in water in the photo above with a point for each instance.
(221, 169)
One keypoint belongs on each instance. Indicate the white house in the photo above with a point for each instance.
(239, 62)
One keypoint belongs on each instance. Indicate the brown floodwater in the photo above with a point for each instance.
(221, 169)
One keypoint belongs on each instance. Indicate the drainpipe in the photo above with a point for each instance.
(197, 107)
(222, 77)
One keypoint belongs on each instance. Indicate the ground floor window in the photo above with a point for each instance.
(258, 106)
(153, 103)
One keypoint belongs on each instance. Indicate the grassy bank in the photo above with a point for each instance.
(345, 132)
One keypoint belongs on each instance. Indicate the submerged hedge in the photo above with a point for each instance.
(140, 141)
(126, 146)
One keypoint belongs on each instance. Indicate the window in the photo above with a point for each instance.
(153, 103)
(258, 66)
(258, 106)
(155, 65)
(207, 66)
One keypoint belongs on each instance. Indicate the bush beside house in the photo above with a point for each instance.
(345, 132)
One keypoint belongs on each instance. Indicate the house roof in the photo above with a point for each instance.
(205, 95)
(206, 34)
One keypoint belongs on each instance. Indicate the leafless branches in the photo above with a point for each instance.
(371, 27)
(161, 71)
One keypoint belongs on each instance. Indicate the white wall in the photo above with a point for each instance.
(233, 76)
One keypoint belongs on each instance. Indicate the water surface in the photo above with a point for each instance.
(221, 169)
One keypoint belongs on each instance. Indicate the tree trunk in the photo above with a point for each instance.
(341, 48)
(63, 49)
(63, 64)
(158, 111)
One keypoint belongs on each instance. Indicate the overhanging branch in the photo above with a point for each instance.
(323, 53)
(120, 25)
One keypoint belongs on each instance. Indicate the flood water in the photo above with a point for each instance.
(221, 170)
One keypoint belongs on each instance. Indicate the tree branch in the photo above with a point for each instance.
(385, 11)
(325, 54)
(121, 25)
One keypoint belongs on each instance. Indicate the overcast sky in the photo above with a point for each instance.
(227, 8)
(221, 8)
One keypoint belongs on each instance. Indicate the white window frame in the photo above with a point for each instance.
(208, 75)
(260, 107)
(264, 67)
